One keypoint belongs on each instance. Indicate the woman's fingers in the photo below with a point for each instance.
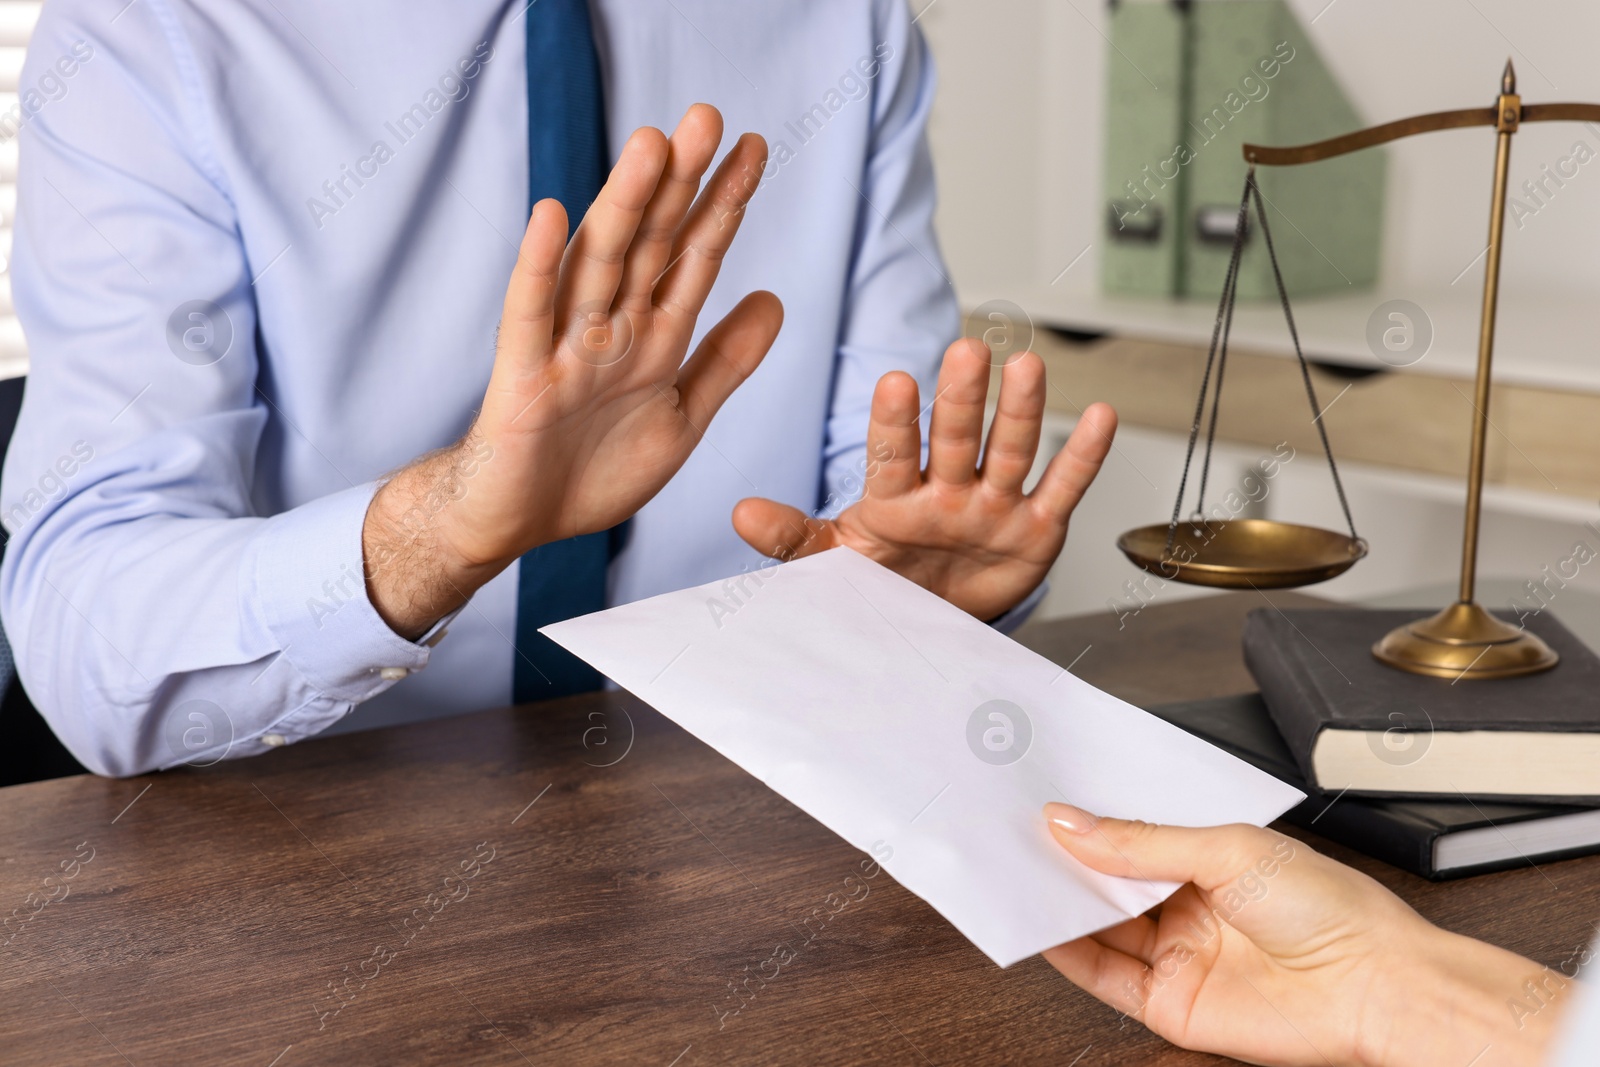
(1210, 857)
(1138, 938)
(955, 433)
(691, 149)
(894, 438)
(781, 531)
(1104, 973)
(710, 229)
(1073, 469)
(1014, 434)
(594, 261)
(527, 318)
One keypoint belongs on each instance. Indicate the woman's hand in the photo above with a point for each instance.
(964, 531)
(1275, 954)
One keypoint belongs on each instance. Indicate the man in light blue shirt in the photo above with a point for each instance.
(260, 255)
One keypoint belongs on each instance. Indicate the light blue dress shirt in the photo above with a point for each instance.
(1577, 1042)
(260, 253)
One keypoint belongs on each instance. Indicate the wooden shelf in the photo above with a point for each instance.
(1546, 341)
(1543, 440)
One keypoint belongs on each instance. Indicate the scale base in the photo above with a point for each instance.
(1464, 642)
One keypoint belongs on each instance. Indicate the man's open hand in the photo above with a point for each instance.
(963, 530)
(590, 408)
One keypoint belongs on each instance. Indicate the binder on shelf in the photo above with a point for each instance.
(1215, 75)
(1142, 94)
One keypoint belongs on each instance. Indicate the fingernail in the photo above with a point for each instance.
(1072, 820)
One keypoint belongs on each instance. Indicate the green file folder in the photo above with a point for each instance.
(1218, 74)
(1143, 95)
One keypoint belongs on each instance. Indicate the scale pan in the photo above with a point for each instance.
(1243, 553)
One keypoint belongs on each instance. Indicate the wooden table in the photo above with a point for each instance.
(578, 882)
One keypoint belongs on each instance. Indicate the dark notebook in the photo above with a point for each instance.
(1434, 838)
(1353, 723)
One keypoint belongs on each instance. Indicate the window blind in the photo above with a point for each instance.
(16, 25)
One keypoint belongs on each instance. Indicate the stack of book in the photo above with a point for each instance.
(1439, 777)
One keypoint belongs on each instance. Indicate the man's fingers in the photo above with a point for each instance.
(1014, 434)
(710, 229)
(781, 531)
(1104, 973)
(690, 150)
(1074, 467)
(529, 312)
(595, 258)
(955, 433)
(1210, 857)
(728, 354)
(894, 439)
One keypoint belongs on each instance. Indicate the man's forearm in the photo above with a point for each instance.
(413, 578)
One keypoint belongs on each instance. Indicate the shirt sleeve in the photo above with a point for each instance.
(155, 617)
(1578, 1036)
(900, 311)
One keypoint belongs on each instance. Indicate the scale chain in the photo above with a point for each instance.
(1217, 357)
(1305, 368)
(1224, 314)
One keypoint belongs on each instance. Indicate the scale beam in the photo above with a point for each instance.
(1293, 155)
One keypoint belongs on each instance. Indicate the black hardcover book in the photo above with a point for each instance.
(1437, 839)
(1354, 724)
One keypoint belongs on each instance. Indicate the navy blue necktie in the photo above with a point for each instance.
(566, 161)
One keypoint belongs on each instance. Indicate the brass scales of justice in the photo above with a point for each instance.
(1461, 642)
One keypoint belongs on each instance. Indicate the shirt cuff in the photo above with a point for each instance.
(437, 631)
(1018, 615)
(307, 577)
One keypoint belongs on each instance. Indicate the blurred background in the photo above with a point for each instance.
(1045, 108)
(16, 23)
(1039, 102)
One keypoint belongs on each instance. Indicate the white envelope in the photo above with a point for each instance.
(917, 733)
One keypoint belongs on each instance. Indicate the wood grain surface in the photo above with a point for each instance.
(575, 882)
